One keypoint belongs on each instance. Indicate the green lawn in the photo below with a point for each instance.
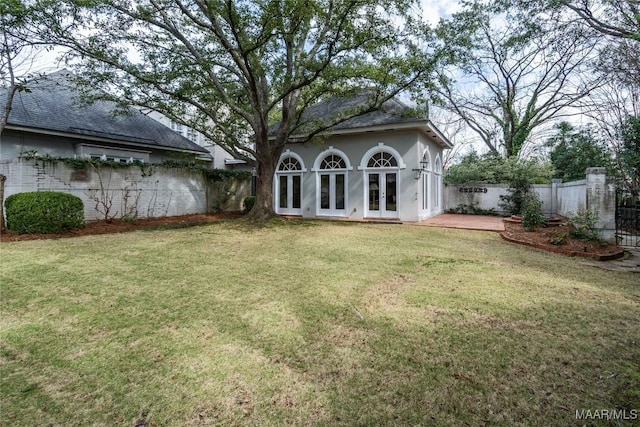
(311, 323)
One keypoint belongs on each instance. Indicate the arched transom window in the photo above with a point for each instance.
(333, 161)
(289, 164)
(382, 159)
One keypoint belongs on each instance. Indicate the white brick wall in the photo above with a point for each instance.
(152, 191)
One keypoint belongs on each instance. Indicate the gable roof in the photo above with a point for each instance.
(52, 105)
(392, 115)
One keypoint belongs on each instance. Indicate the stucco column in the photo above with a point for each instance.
(601, 198)
(554, 197)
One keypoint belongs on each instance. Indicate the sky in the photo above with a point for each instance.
(432, 11)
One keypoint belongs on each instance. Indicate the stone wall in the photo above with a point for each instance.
(134, 191)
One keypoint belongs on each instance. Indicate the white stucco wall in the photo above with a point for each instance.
(571, 196)
(487, 196)
(482, 196)
(557, 198)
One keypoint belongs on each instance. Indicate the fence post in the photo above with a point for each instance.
(601, 198)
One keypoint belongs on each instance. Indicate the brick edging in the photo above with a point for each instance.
(606, 257)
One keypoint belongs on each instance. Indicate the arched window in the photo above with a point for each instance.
(333, 161)
(425, 165)
(331, 188)
(382, 159)
(288, 184)
(289, 164)
(437, 184)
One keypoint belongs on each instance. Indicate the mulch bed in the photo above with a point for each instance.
(120, 226)
(566, 244)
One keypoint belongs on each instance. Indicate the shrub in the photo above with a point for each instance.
(472, 209)
(248, 203)
(558, 239)
(519, 189)
(532, 216)
(44, 212)
(584, 225)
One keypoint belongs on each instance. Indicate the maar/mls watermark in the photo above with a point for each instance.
(607, 414)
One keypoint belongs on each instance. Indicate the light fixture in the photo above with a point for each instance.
(424, 164)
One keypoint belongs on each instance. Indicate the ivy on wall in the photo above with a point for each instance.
(213, 175)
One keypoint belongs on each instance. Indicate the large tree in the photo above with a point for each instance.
(574, 150)
(228, 68)
(615, 18)
(510, 73)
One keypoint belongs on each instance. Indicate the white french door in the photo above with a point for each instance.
(289, 194)
(332, 194)
(382, 194)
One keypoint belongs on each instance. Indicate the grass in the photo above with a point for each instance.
(311, 323)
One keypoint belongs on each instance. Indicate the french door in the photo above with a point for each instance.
(332, 194)
(289, 195)
(382, 194)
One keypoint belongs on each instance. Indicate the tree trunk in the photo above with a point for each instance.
(263, 210)
(2, 180)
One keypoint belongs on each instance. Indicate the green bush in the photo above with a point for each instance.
(532, 216)
(584, 222)
(518, 191)
(558, 238)
(248, 203)
(43, 212)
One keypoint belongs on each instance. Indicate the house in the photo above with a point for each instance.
(384, 164)
(222, 159)
(50, 119)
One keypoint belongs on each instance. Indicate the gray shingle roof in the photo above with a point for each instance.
(391, 115)
(53, 104)
(392, 112)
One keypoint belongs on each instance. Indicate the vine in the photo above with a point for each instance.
(213, 175)
(84, 163)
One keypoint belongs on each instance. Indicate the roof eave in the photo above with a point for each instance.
(439, 136)
(99, 139)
